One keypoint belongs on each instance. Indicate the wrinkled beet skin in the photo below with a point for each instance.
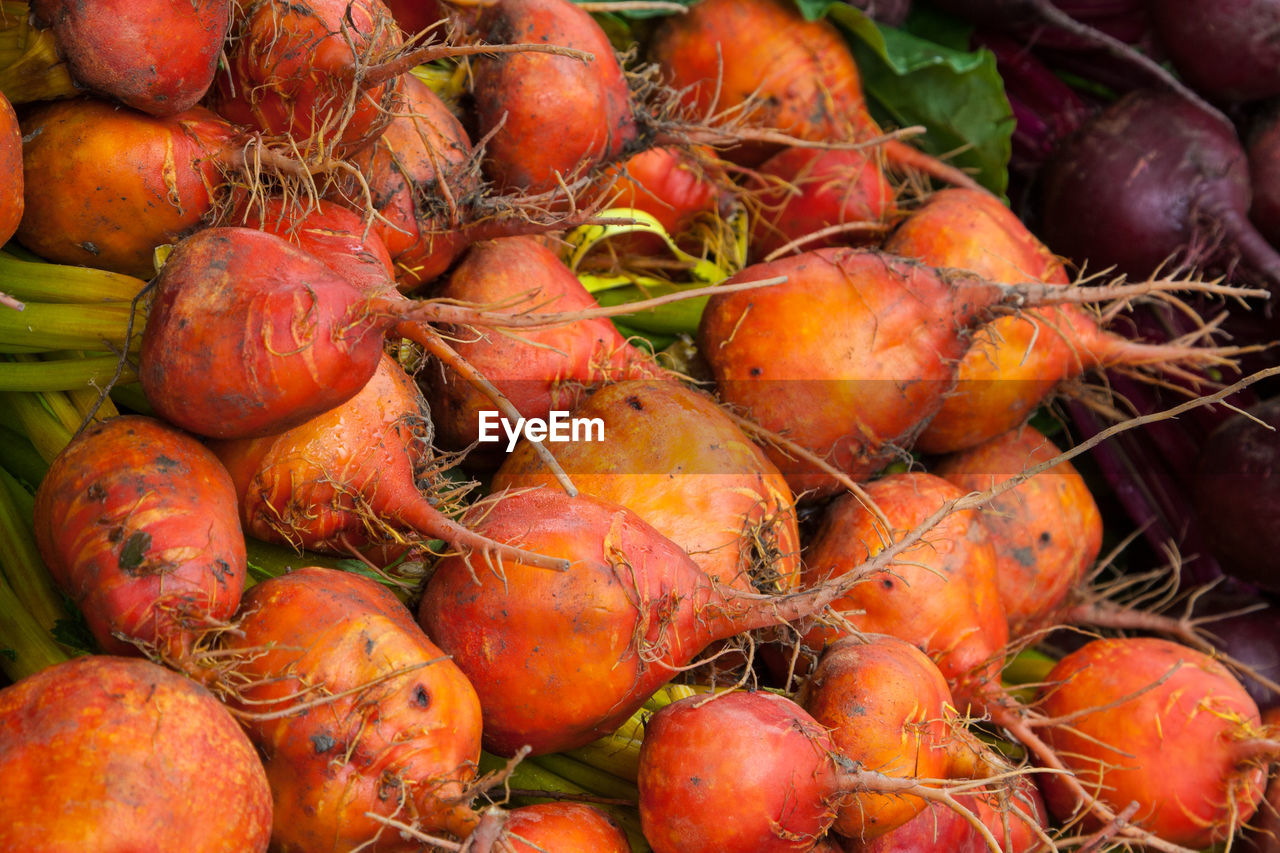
(138, 524)
(265, 330)
(1147, 180)
(1237, 494)
(159, 58)
(1227, 50)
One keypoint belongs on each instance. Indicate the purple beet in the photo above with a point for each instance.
(1237, 494)
(1150, 180)
(1264, 172)
(1227, 50)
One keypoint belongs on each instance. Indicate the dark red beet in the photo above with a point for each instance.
(1149, 180)
(1237, 490)
(1227, 50)
(1264, 174)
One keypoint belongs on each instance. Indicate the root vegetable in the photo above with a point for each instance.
(355, 712)
(137, 522)
(769, 784)
(856, 351)
(678, 461)
(888, 709)
(155, 57)
(330, 232)
(1046, 532)
(750, 772)
(538, 371)
(302, 69)
(105, 185)
(347, 479)
(423, 183)
(1233, 489)
(1150, 181)
(549, 118)
(1224, 51)
(11, 176)
(1015, 362)
(1148, 720)
(941, 595)
(800, 191)
(105, 753)
(762, 64)
(562, 827)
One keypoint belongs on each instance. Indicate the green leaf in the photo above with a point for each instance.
(911, 80)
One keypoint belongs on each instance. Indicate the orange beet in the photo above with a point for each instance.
(672, 456)
(889, 709)
(1162, 724)
(1046, 532)
(848, 358)
(348, 478)
(137, 523)
(787, 73)
(551, 115)
(538, 370)
(155, 57)
(563, 827)
(296, 68)
(1017, 361)
(106, 185)
(423, 183)
(801, 190)
(940, 595)
(392, 726)
(107, 753)
(11, 178)
(742, 773)
(330, 232)
(674, 185)
(562, 658)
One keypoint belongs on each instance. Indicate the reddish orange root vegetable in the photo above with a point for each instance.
(940, 595)
(562, 827)
(889, 709)
(137, 522)
(155, 57)
(332, 233)
(550, 115)
(740, 773)
(672, 456)
(106, 185)
(802, 190)
(11, 176)
(422, 180)
(293, 68)
(108, 753)
(538, 370)
(1149, 720)
(355, 711)
(1046, 532)
(762, 62)
(347, 478)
